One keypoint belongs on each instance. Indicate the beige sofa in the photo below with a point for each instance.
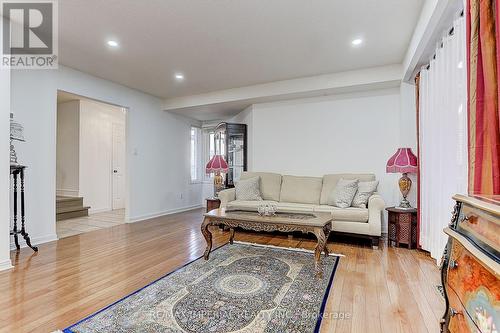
(310, 194)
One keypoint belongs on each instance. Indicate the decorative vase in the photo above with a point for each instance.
(16, 134)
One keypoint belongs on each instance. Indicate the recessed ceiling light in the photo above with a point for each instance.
(179, 76)
(357, 41)
(112, 43)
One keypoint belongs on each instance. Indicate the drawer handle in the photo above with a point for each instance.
(453, 264)
(454, 312)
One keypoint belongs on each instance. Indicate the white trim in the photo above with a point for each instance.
(286, 248)
(235, 98)
(7, 264)
(163, 213)
(435, 17)
(63, 192)
(34, 241)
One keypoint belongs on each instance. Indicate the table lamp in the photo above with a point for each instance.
(217, 165)
(405, 162)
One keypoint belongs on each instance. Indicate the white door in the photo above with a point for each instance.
(118, 166)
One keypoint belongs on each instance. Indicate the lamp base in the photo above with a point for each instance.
(405, 204)
(404, 187)
(218, 184)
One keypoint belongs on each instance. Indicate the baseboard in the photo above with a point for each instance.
(66, 193)
(34, 241)
(100, 210)
(163, 213)
(7, 264)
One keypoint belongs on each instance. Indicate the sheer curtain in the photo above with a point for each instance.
(443, 137)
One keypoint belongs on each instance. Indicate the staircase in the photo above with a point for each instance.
(70, 207)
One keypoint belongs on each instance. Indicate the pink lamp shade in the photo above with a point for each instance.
(216, 165)
(403, 161)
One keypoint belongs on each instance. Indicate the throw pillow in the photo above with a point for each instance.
(343, 193)
(248, 189)
(365, 191)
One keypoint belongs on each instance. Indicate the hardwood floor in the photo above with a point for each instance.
(385, 290)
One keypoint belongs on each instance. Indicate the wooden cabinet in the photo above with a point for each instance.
(231, 142)
(471, 267)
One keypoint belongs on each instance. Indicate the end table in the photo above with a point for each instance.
(212, 203)
(403, 226)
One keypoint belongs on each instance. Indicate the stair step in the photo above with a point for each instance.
(72, 212)
(63, 202)
(71, 209)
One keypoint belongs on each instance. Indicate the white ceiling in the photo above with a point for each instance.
(221, 44)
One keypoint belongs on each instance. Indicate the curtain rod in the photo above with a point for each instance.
(451, 32)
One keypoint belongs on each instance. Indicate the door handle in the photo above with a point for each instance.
(115, 171)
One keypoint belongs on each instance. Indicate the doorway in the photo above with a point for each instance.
(91, 165)
(118, 149)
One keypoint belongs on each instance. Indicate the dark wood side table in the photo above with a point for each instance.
(403, 226)
(212, 203)
(15, 171)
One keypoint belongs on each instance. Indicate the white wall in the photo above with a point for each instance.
(157, 147)
(5, 262)
(68, 148)
(408, 131)
(96, 153)
(355, 132)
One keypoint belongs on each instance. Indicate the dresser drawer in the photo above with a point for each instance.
(482, 228)
(474, 286)
(459, 321)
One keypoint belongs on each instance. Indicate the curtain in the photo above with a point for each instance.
(483, 57)
(417, 112)
(442, 131)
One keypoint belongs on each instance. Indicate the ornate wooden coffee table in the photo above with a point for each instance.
(318, 224)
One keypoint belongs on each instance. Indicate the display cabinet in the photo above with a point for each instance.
(231, 142)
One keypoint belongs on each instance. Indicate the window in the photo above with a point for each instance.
(208, 150)
(196, 155)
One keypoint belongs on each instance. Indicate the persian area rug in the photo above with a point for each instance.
(241, 288)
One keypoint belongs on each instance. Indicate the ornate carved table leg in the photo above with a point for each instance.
(327, 230)
(320, 247)
(208, 237)
(23, 228)
(231, 235)
(14, 231)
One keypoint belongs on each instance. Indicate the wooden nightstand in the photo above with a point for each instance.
(403, 226)
(212, 203)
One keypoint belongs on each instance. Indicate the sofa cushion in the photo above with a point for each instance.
(294, 207)
(248, 189)
(365, 191)
(270, 184)
(351, 214)
(247, 204)
(306, 190)
(343, 193)
(329, 182)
